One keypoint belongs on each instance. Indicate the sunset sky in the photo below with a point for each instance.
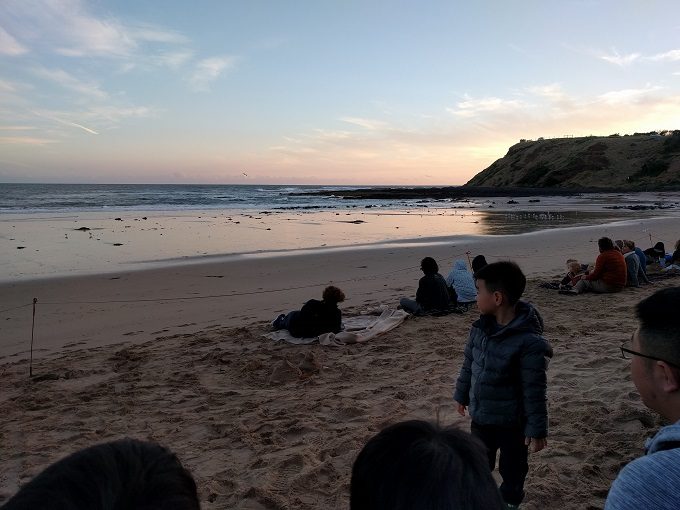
(320, 92)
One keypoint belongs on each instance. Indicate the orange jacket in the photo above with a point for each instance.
(610, 267)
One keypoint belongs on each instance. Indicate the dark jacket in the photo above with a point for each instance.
(315, 318)
(433, 293)
(503, 377)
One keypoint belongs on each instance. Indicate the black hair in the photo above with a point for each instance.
(604, 244)
(505, 277)
(659, 332)
(429, 265)
(121, 475)
(478, 262)
(417, 465)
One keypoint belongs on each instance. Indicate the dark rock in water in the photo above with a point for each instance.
(118, 244)
(118, 219)
(534, 200)
(513, 202)
(20, 247)
(82, 229)
(144, 218)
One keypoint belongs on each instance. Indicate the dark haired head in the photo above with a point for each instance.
(659, 332)
(604, 244)
(429, 266)
(505, 277)
(332, 294)
(478, 262)
(660, 248)
(120, 475)
(416, 465)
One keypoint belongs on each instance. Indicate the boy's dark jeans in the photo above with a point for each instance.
(513, 463)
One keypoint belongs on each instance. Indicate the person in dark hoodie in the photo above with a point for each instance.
(315, 317)
(653, 480)
(432, 294)
(503, 379)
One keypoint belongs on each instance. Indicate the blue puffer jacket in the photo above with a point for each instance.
(462, 281)
(503, 378)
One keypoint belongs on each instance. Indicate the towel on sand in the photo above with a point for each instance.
(357, 329)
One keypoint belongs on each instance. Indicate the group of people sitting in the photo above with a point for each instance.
(435, 294)
(620, 264)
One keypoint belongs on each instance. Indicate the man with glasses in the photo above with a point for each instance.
(653, 481)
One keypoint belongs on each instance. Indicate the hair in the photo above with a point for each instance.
(121, 475)
(574, 266)
(618, 244)
(659, 331)
(629, 244)
(429, 265)
(417, 465)
(660, 248)
(569, 261)
(478, 262)
(333, 294)
(604, 244)
(677, 244)
(505, 277)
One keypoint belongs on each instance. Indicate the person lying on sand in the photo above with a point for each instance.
(432, 293)
(418, 465)
(315, 317)
(653, 481)
(118, 475)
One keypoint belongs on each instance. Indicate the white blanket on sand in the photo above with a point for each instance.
(357, 329)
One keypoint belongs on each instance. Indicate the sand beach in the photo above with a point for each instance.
(175, 352)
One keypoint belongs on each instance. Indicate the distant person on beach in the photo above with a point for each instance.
(609, 274)
(315, 317)
(503, 378)
(574, 273)
(656, 254)
(417, 465)
(432, 293)
(478, 262)
(653, 481)
(635, 276)
(462, 282)
(121, 475)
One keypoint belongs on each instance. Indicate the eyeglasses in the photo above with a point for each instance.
(627, 353)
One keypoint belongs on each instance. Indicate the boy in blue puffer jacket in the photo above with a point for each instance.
(503, 377)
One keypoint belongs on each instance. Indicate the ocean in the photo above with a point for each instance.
(70, 198)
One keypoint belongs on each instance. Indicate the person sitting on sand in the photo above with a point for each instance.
(653, 481)
(643, 258)
(635, 276)
(119, 475)
(656, 254)
(574, 273)
(315, 317)
(462, 282)
(417, 465)
(609, 274)
(478, 262)
(432, 293)
(674, 262)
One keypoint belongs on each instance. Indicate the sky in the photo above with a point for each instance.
(320, 92)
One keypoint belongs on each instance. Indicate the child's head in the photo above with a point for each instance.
(478, 262)
(574, 266)
(332, 294)
(419, 465)
(499, 285)
(604, 244)
(429, 266)
(117, 475)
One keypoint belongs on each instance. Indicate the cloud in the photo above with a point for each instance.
(24, 140)
(471, 107)
(628, 96)
(669, 56)
(370, 124)
(620, 60)
(70, 82)
(208, 70)
(9, 45)
(67, 27)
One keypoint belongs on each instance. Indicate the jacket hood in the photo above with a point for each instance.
(459, 265)
(667, 438)
(527, 319)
